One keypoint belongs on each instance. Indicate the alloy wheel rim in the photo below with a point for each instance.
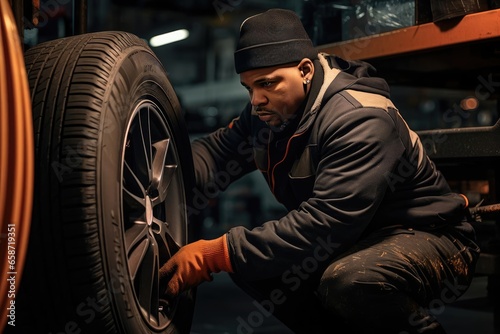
(153, 198)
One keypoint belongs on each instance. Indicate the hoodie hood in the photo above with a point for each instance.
(356, 75)
(335, 74)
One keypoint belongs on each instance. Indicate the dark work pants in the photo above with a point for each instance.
(392, 282)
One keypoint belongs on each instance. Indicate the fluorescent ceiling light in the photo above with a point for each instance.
(169, 37)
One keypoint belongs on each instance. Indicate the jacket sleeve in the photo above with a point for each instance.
(223, 156)
(357, 149)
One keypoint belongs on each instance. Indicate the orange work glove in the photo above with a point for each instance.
(193, 264)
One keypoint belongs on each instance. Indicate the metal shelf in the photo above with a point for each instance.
(470, 28)
(450, 54)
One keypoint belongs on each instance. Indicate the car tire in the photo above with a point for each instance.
(113, 175)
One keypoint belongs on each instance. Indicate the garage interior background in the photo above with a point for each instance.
(200, 67)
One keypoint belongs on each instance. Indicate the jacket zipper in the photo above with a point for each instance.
(271, 170)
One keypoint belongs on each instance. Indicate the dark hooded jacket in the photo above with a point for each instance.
(349, 165)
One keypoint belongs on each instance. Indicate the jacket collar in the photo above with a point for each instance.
(323, 77)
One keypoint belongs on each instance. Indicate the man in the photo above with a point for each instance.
(373, 236)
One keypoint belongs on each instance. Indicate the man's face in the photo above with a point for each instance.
(275, 92)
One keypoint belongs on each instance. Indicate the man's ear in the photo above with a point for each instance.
(306, 68)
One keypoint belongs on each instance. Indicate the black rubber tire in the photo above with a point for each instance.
(113, 169)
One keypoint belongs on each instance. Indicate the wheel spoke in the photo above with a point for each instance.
(132, 200)
(168, 175)
(166, 243)
(131, 180)
(158, 165)
(145, 128)
(136, 245)
(148, 293)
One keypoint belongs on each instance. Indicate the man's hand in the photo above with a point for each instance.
(193, 264)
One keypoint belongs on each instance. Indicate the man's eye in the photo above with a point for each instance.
(266, 84)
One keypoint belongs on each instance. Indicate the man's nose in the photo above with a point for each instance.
(258, 99)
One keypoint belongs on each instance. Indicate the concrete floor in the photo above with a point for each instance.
(221, 306)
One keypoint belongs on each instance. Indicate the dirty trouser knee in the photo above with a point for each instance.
(394, 278)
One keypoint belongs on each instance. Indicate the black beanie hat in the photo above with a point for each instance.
(272, 38)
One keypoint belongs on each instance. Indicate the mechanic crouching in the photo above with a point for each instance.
(373, 236)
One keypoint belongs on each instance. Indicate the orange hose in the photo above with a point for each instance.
(16, 161)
